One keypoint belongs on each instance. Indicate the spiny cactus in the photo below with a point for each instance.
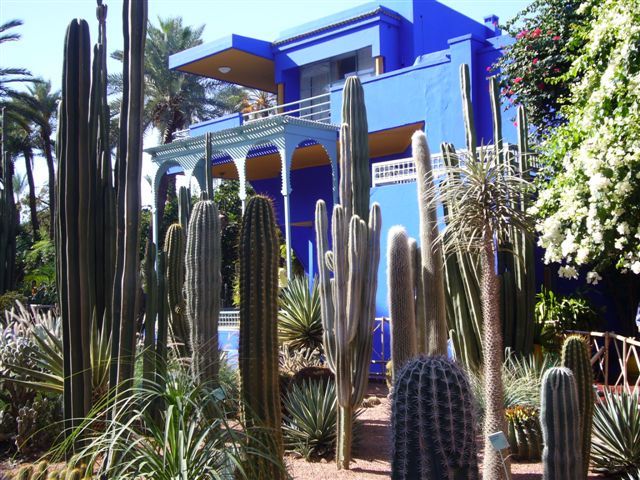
(401, 298)
(258, 350)
(151, 311)
(348, 299)
(560, 420)
(575, 357)
(25, 473)
(184, 207)
(433, 422)
(174, 249)
(356, 140)
(202, 288)
(8, 216)
(525, 435)
(74, 474)
(432, 270)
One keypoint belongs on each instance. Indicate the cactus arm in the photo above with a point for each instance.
(467, 109)
(345, 170)
(324, 283)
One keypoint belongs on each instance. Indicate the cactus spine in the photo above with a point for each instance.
(560, 419)
(258, 349)
(575, 357)
(174, 249)
(348, 299)
(202, 288)
(401, 298)
(432, 273)
(433, 422)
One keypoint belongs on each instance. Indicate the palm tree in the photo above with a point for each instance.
(174, 100)
(41, 106)
(482, 212)
(9, 75)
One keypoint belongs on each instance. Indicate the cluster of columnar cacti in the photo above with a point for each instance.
(516, 262)
(258, 350)
(402, 306)
(202, 289)
(348, 298)
(575, 357)
(8, 216)
(433, 422)
(561, 427)
(525, 435)
(44, 471)
(174, 250)
(93, 281)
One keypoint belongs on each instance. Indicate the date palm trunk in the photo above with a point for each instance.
(35, 224)
(494, 419)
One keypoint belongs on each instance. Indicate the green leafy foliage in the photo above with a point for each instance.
(615, 448)
(299, 318)
(40, 272)
(555, 314)
(532, 68)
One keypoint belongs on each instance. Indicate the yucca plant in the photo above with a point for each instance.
(615, 439)
(299, 318)
(189, 438)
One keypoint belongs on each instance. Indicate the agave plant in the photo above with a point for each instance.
(44, 371)
(615, 441)
(299, 319)
(310, 424)
(187, 438)
(522, 379)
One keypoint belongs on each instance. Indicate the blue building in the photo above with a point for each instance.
(407, 58)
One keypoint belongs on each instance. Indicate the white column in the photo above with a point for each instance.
(286, 156)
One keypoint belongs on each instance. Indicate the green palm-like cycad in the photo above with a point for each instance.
(299, 319)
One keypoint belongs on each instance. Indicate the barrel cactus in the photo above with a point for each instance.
(561, 428)
(401, 298)
(433, 422)
(202, 288)
(258, 350)
(575, 357)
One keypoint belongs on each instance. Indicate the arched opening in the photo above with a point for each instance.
(165, 198)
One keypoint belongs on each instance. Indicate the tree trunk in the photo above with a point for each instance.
(48, 155)
(344, 434)
(35, 224)
(494, 419)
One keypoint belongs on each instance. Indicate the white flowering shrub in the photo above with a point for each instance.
(589, 199)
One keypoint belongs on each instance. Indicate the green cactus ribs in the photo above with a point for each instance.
(433, 422)
(258, 350)
(202, 288)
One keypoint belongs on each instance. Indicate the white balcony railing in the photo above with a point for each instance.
(402, 170)
(316, 108)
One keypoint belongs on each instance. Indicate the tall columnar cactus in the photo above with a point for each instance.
(575, 357)
(8, 216)
(258, 350)
(174, 249)
(433, 422)
(128, 174)
(348, 299)
(416, 268)
(184, 207)
(151, 311)
(401, 298)
(560, 420)
(356, 140)
(202, 288)
(432, 270)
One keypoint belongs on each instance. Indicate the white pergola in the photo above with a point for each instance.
(283, 132)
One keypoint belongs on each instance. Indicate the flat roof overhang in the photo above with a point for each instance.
(250, 60)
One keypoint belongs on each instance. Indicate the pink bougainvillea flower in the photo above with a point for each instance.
(517, 80)
(521, 34)
(536, 33)
(556, 38)
(535, 61)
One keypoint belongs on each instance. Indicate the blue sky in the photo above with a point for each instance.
(45, 21)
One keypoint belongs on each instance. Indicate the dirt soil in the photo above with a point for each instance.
(372, 453)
